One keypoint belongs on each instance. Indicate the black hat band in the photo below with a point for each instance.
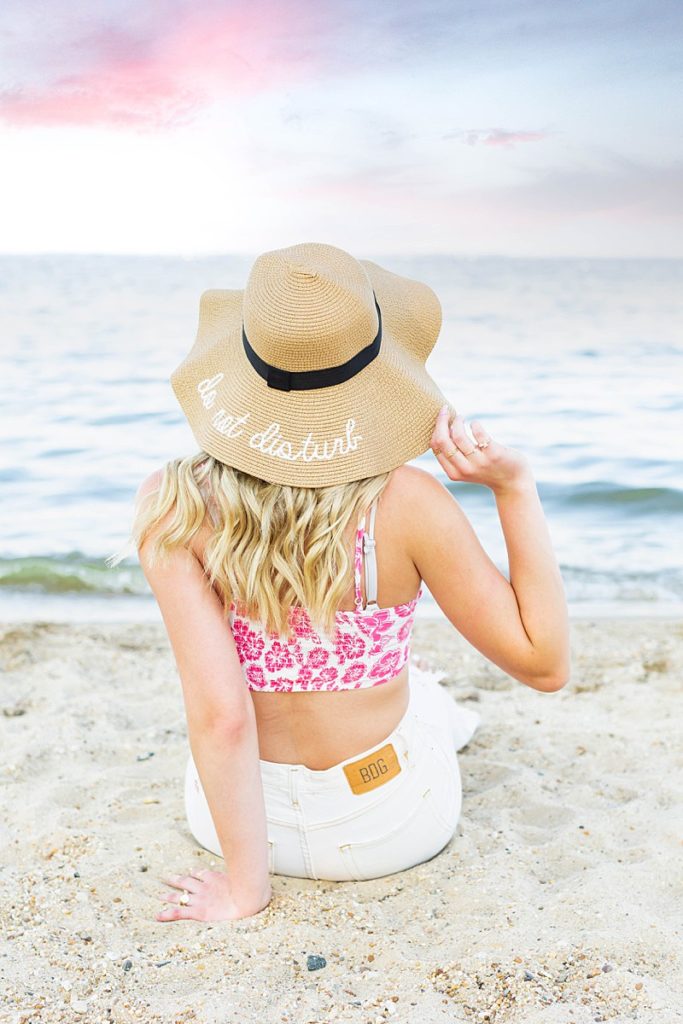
(308, 380)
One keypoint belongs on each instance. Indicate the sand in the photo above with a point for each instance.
(558, 900)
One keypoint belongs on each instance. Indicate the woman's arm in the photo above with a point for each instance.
(520, 624)
(535, 575)
(220, 719)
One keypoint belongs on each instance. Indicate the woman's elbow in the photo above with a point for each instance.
(552, 683)
(547, 676)
(553, 680)
(228, 722)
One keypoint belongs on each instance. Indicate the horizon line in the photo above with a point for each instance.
(436, 254)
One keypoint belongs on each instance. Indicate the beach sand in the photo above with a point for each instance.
(558, 900)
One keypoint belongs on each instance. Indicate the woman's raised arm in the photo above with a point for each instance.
(520, 624)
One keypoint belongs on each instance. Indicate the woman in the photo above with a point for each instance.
(287, 558)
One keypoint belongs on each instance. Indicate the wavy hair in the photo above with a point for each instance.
(273, 546)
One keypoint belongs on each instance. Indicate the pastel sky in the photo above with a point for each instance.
(530, 128)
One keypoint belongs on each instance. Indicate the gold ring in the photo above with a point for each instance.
(449, 455)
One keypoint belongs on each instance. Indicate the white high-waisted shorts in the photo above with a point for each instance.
(395, 805)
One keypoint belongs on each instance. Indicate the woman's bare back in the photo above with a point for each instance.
(321, 728)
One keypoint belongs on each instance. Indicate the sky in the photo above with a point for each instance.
(535, 128)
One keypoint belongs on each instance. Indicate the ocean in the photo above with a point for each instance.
(577, 362)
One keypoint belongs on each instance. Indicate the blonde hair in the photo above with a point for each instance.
(273, 546)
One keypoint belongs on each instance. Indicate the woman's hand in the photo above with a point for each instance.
(211, 898)
(495, 465)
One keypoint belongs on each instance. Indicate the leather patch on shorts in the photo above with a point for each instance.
(373, 770)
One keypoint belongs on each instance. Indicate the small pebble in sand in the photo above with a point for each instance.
(127, 964)
(314, 963)
(79, 1006)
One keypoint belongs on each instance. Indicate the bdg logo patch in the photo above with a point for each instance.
(373, 770)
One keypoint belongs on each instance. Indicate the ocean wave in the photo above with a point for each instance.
(583, 583)
(634, 501)
(70, 574)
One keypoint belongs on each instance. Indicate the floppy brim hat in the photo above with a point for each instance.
(314, 374)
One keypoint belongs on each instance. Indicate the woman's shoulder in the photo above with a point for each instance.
(150, 484)
(413, 484)
(417, 503)
(405, 501)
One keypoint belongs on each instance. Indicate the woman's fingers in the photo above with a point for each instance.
(170, 897)
(450, 443)
(460, 438)
(482, 437)
(189, 882)
(442, 445)
(452, 463)
(457, 454)
(440, 433)
(476, 458)
(176, 913)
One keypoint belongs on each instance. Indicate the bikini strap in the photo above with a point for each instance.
(365, 545)
(357, 560)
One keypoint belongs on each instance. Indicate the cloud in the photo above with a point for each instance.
(160, 66)
(497, 137)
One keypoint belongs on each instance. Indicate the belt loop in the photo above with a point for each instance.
(293, 785)
(406, 731)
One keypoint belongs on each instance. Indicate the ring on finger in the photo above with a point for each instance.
(449, 454)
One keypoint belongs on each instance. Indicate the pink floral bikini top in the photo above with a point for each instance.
(371, 645)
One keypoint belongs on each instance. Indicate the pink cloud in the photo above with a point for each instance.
(498, 137)
(163, 74)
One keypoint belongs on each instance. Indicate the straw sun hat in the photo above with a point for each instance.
(314, 373)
